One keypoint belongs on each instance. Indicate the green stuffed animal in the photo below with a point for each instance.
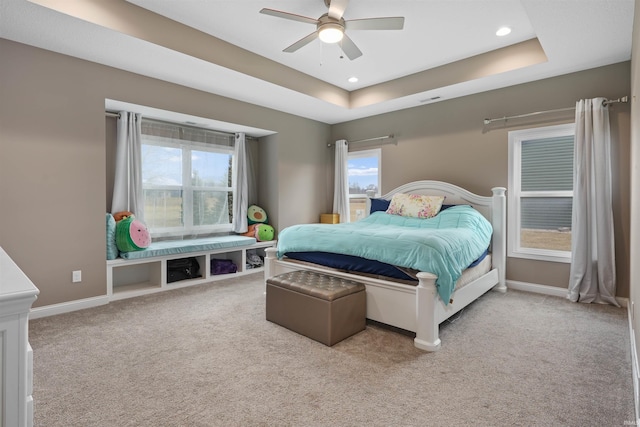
(132, 235)
(264, 232)
(256, 215)
(261, 232)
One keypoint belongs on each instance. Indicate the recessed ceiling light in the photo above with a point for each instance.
(503, 31)
(353, 79)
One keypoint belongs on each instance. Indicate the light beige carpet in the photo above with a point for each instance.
(205, 356)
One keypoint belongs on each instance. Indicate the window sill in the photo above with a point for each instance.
(549, 256)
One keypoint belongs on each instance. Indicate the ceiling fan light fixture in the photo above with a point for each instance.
(331, 27)
(330, 32)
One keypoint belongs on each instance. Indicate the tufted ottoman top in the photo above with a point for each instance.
(316, 284)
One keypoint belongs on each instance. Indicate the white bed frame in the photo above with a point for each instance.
(418, 308)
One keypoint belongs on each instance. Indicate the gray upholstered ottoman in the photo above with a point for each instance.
(325, 308)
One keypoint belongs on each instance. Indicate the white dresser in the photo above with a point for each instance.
(17, 293)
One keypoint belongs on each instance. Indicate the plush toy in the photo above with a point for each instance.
(262, 232)
(118, 216)
(132, 235)
(256, 215)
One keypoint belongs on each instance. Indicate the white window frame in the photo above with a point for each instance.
(188, 189)
(373, 152)
(515, 194)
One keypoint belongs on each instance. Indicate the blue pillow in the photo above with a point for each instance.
(450, 206)
(112, 248)
(379, 205)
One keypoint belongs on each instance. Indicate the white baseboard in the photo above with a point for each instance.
(537, 289)
(67, 307)
(550, 290)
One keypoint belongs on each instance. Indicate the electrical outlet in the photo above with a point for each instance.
(76, 276)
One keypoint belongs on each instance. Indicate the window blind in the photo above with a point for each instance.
(547, 164)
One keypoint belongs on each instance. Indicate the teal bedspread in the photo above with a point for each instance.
(443, 245)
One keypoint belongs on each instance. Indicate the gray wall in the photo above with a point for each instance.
(53, 161)
(448, 141)
(53, 157)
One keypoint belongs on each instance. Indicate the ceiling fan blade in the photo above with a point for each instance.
(290, 16)
(302, 42)
(388, 23)
(349, 48)
(337, 8)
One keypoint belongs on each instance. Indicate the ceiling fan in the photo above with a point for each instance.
(331, 27)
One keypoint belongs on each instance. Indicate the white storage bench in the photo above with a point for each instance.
(143, 272)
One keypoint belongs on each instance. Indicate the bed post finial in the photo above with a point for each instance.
(271, 255)
(499, 240)
(427, 303)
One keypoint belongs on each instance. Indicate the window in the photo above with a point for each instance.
(541, 193)
(187, 179)
(364, 180)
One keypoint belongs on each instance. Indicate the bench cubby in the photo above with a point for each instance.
(128, 278)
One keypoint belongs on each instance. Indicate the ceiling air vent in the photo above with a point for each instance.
(435, 98)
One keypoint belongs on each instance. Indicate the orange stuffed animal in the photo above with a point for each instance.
(121, 215)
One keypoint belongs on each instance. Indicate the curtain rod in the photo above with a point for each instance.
(116, 114)
(624, 99)
(330, 144)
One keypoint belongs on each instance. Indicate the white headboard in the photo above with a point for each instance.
(454, 195)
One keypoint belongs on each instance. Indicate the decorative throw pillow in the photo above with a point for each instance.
(112, 248)
(256, 215)
(132, 235)
(415, 205)
(379, 205)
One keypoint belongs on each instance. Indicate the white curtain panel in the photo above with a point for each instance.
(251, 149)
(341, 181)
(593, 274)
(241, 193)
(127, 186)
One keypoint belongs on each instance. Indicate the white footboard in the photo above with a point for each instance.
(390, 303)
(417, 309)
(431, 310)
(412, 308)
